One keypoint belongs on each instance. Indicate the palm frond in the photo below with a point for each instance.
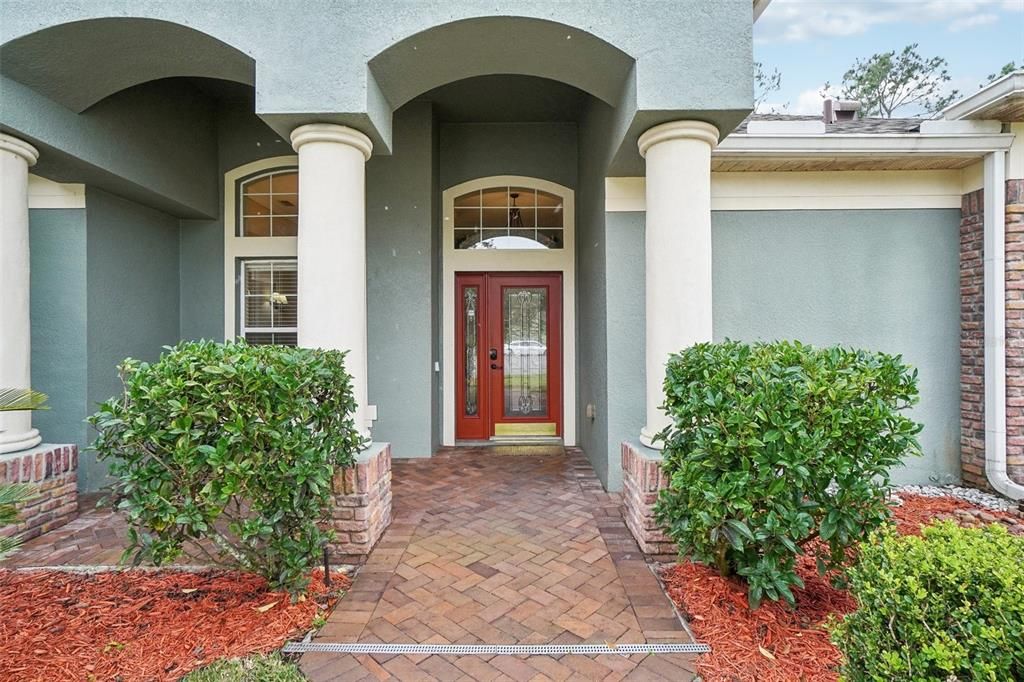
(10, 495)
(14, 399)
(7, 545)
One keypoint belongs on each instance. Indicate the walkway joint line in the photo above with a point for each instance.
(493, 649)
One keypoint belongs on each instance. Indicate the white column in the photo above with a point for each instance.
(16, 432)
(678, 250)
(332, 247)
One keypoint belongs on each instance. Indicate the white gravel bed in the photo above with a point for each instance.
(976, 497)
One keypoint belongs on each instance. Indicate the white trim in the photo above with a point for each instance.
(809, 190)
(487, 260)
(43, 193)
(1010, 85)
(995, 327)
(236, 247)
(860, 145)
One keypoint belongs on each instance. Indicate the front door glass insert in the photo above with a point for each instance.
(525, 332)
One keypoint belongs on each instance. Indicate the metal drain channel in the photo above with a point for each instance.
(492, 649)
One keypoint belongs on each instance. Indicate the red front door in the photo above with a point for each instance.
(508, 336)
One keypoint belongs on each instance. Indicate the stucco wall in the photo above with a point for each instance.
(132, 296)
(591, 308)
(399, 284)
(884, 279)
(877, 279)
(58, 299)
(539, 150)
(241, 138)
(354, 61)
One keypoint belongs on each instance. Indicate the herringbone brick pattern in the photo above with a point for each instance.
(502, 550)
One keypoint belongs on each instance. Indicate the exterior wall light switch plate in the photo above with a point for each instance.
(591, 411)
(437, 366)
(371, 412)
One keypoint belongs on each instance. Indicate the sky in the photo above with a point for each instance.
(814, 41)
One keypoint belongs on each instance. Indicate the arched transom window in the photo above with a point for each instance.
(269, 204)
(509, 218)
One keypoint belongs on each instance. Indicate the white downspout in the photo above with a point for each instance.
(995, 326)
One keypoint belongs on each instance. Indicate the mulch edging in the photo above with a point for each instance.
(776, 643)
(144, 625)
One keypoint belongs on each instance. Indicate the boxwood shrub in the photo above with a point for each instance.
(232, 445)
(775, 445)
(948, 605)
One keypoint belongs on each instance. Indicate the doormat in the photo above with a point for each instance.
(528, 450)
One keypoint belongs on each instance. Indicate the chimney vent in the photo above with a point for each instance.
(839, 110)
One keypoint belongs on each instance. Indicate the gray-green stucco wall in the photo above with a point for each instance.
(400, 221)
(132, 298)
(879, 279)
(57, 244)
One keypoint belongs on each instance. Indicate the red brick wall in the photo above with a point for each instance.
(642, 479)
(53, 471)
(972, 336)
(1015, 329)
(972, 341)
(361, 505)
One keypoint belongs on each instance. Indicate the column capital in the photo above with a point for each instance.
(19, 148)
(332, 132)
(678, 130)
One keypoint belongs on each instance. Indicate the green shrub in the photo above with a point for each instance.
(945, 606)
(231, 443)
(774, 445)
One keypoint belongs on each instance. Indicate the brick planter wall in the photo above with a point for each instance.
(972, 336)
(642, 478)
(361, 504)
(53, 471)
(1015, 329)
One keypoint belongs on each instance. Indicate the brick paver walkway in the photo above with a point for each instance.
(491, 549)
(96, 538)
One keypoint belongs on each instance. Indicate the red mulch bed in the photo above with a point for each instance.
(137, 625)
(776, 643)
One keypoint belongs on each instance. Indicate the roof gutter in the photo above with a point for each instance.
(995, 326)
(862, 144)
(759, 7)
(1009, 86)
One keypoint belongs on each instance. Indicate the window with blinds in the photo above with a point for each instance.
(269, 302)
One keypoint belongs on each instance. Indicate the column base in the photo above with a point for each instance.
(647, 437)
(16, 442)
(52, 470)
(361, 504)
(642, 480)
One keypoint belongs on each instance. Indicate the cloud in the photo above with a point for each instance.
(965, 23)
(799, 20)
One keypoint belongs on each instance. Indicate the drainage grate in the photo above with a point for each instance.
(493, 649)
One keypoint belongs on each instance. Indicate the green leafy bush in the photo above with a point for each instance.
(945, 606)
(234, 444)
(774, 445)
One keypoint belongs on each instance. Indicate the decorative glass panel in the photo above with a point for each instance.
(269, 300)
(508, 218)
(525, 331)
(470, 296)
(270, 205)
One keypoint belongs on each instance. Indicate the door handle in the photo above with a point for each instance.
(495, 366)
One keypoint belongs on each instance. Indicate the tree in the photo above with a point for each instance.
(765, 84)
(1007, 69)
(889, 81)
(11, 400)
